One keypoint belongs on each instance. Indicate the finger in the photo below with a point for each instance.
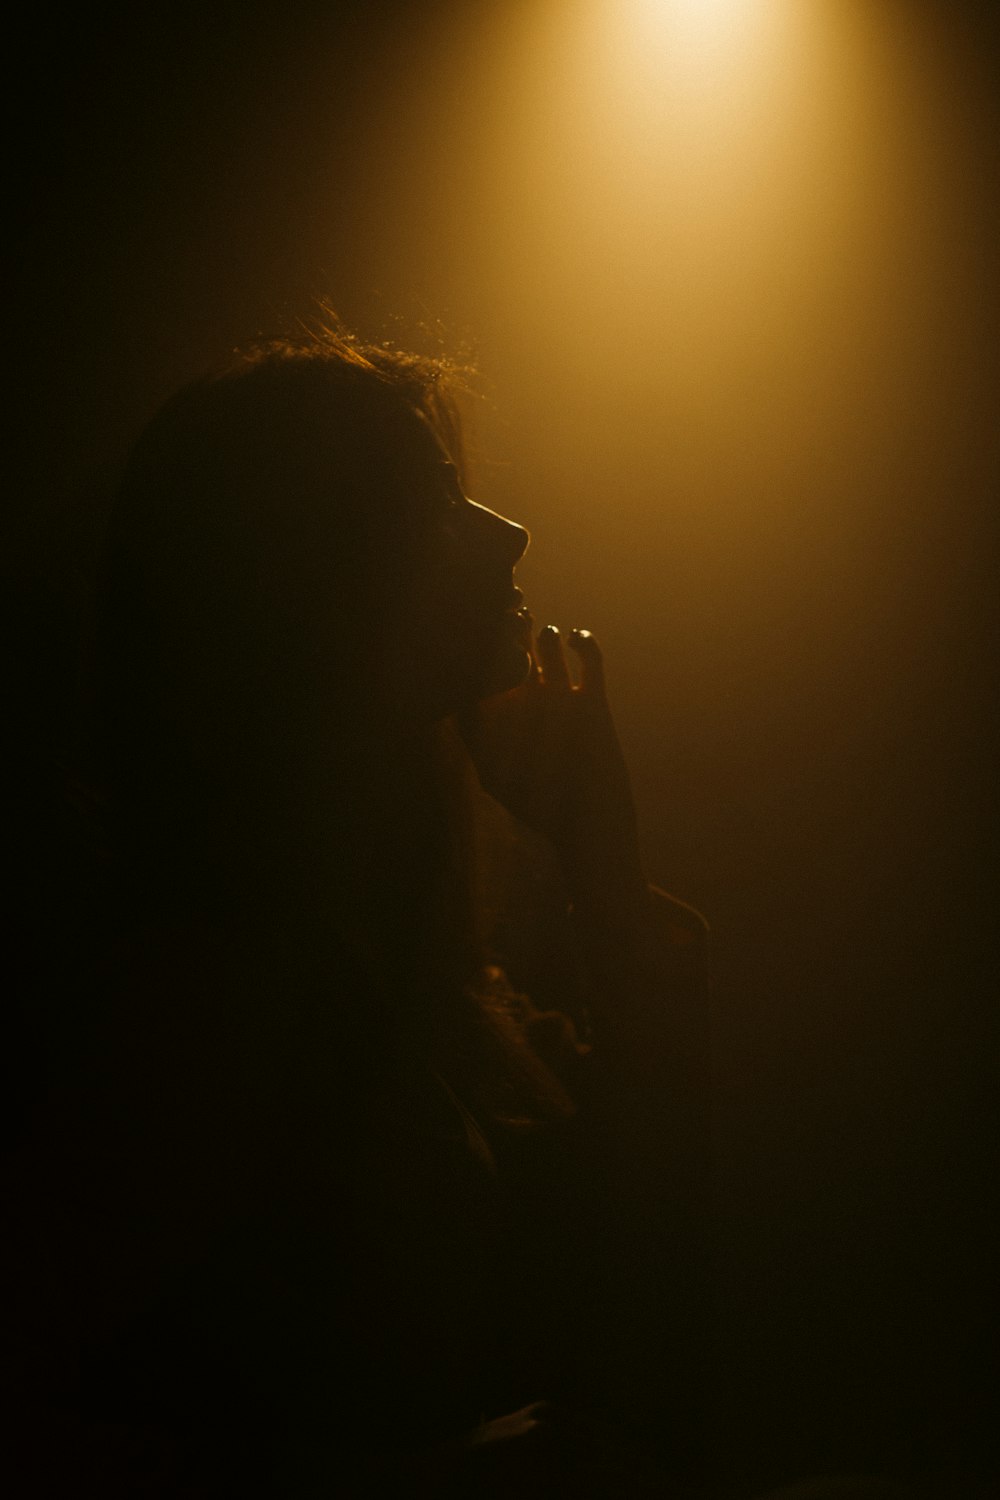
(535, 669)
(591, 660)
(552, 659)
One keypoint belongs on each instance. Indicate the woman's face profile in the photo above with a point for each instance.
(468, 635)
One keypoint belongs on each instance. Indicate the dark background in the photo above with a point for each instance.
(743, 392)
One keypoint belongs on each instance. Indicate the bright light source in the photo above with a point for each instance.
(695, 31)
(692, 17)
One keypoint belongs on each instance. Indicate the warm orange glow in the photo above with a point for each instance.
(716, 264)
(692, 34)
(701, 230)
(728, 270)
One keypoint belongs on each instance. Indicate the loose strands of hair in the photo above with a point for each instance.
(432, 384)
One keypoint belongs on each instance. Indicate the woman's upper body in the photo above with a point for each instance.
(320, 1192)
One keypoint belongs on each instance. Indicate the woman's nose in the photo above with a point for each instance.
(505, 535)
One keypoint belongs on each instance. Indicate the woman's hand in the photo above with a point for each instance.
(548, 752)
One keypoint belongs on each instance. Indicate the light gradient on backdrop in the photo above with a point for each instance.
(715, 259)
(729, 273)
(728, 269)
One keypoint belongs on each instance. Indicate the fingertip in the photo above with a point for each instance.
(583, 640)
(548, 640)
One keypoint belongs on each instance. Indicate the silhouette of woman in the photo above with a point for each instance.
(324, 1204)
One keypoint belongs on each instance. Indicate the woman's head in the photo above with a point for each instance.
(291, 552)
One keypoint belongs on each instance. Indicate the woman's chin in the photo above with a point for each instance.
(498, 672)
(509, 669)
(508, 661)
(484, 668)
(511, 656)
